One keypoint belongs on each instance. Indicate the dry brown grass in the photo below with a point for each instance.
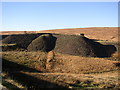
(15, 32)
(35, 60)
(61, 63)
(101, 80)
(68, 70)
(101, 33)
(77, 64)
(116, 55)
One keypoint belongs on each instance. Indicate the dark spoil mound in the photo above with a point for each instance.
(67, 44)
(3, 36)
(44, 42)
(21, 40)
(74, 45)
(11, 48)
(82, 46)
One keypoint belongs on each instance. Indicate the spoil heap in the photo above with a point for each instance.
(80, 45)
(75, 45)
(45, 42)
(21, 40)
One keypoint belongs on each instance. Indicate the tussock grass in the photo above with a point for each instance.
(67, 70)
(36, 60)
(62, 62)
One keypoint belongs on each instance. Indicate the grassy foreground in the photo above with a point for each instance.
(20, 68)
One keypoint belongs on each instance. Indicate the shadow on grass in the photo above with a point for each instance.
(117, 64)
(101, 50)
(12, 66)
(31, 82)
(10, 86)
(3, 36)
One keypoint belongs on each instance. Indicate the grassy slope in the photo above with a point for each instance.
(35, 60)
(69, 64)
(61, 63)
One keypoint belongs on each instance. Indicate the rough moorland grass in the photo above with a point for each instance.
(11, 84)
(79, 81)
(30, 59)
(61, 63)
(36, 60)
(76, 64)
